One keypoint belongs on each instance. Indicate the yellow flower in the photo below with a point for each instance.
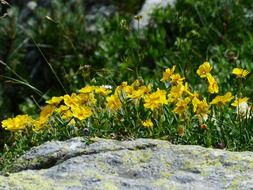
(181, 130)
(67, 115)
(103, 90)
(17, 123)
(47, 111)
(134, 91)
(39, 124)
(85, 98)
(204, 69)
(155, 100)
(119, 88)
(127, 90)
(139, 92)
(62, 109)
(147, 123)
(240, 73)
(176, 92)
(113, 102)
(137, 83)
(54, 100)
(168, 72)
(87, 89)
(176, 78)
(200, 107)
(213, 85)
(71, 101)
(181, 106)
(222, 100)
(238, 101)
(81, 113)
(188, 92)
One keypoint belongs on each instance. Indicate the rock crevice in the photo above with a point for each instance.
(56, 152)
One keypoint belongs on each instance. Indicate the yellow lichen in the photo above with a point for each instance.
(137, 156)
(109, 185)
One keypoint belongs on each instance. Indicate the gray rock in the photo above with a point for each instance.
(139, 164)
(148, 7)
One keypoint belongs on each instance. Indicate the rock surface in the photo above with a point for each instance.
(139, 164)
(148, 7)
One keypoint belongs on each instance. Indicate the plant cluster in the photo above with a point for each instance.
(173, 111)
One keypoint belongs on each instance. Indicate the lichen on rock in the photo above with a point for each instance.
(136, 164)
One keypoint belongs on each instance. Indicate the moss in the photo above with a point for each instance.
(109, 185)
(29, 182)
(92, 173)
(137, 156)
(236, 181)
(33, 180)
(164, 184)
(250, 163)
(166, 175)
(101, 165)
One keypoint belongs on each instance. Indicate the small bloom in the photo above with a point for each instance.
(176, 78)
(168, 72)
(55, 100)
(181, 106)
(85, 99)
(155, 100)
(222, 100)
(17, 123)
(188, 92)
(71, 101)
(147, 123)
(103, 90)
(47, 111)
(181, 130)
(121, 86)
(176, 92)
(200, 108)
(204, 69)
(62, 109)
(67, 115)
(240, 73)
(39, 123)
(81, 113)
(213, 85)
(239, 101)
(204, 126)
(139, 92)
(113, 102)
(87, 89)
(45, 114)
